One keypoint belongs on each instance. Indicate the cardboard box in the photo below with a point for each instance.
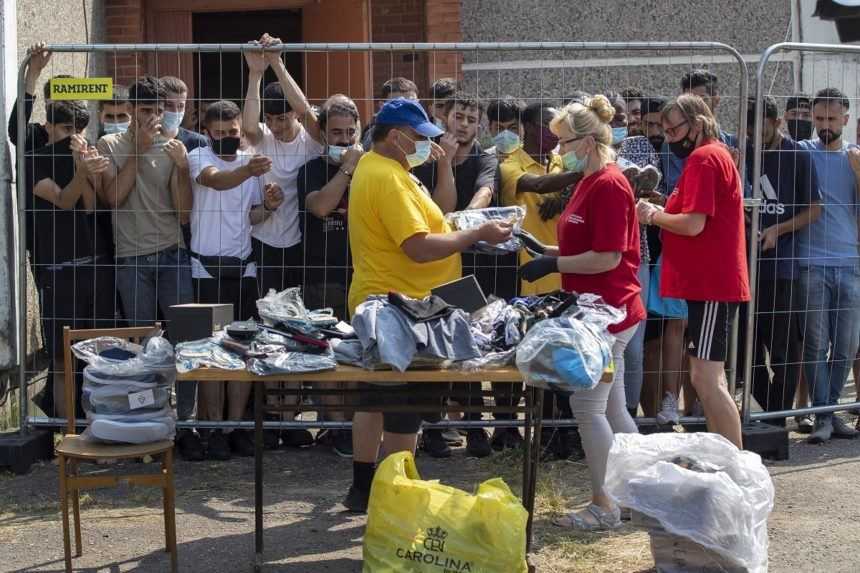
(196, 321)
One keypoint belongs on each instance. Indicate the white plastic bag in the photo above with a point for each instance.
(473, 218)
(721, 502)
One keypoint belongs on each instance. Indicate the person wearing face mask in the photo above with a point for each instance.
(503, 124)
(400, 242)
(789, 186)
(704, 251)
(114, 113)
(597, 252)
(229, 197)
(290, 143)
(798, 117)
(63, 246)
(828, 259)
(323, 188)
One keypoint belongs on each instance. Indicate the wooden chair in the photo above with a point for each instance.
(73, 450)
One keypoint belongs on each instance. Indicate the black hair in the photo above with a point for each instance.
(506, 108)
(398, 85)
(174, 85)
(120, 96)
(632, 94)
(653, 104)
(223, 110)
(464, 100)
(613, 97)
(828, 95)
(577, 96)
(380, 131)
(147, 89)
(798, 101)
(274, 100)
(46, 89)
(771, 111)
(443, 88)
(342, 107)
(59, 112)
(698, 78)
(534, 112)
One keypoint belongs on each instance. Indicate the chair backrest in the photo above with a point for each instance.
(134, 334)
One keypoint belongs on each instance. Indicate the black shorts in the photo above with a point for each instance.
(277, 268)
(400, 395)
(709, 328)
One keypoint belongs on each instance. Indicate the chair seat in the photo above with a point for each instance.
(75, 446)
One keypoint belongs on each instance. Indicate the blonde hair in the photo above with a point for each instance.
(591, 117)
(694, 110)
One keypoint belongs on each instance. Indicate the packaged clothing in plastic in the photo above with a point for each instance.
(206, 353)
(419, 526)
(697, 486)
(278, 307)
(570, 352)
(155, 357)
(146, 427)
(118, 395)
(292, 363)
(472, 218)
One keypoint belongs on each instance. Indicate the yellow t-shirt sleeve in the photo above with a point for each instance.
(511, 172)
(401, 212)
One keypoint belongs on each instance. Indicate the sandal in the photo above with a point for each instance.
(592, 518)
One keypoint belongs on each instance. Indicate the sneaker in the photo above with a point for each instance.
(477, 444)
(823, 431)
(190, 447)
(506, 438)
(356, 500)
(218, 448)
(804, 424)
(842, 430)
(241, 443)
(668, 413)
(341, 443)
(434, 444)
(452, 437)
(297, 438)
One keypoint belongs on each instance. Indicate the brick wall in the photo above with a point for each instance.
(398, 21)
(442, 24)
(124, 22)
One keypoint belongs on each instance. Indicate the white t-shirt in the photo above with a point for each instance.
(281, 230)
(220, 221)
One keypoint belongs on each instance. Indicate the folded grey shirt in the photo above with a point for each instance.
(387, 332)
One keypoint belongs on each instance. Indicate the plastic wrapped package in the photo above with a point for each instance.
(472, 218)
(490, 360)
(139, 428)
(571, 352)
(116, 395)
(699, 487)
(206, 353)
(155, 357)
(292, 363)
(283, 306)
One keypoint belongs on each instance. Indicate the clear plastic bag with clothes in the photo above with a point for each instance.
(151, 425)
(698, 486)
(205, 353)
(119, 395)
(472, 218)
(292, 363)
(156, 356)
(283, 306)
(570, 352)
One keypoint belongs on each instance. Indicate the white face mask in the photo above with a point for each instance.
(506, 141)
(335, 152)
(172, 120)
(423, 149)
(120, 127)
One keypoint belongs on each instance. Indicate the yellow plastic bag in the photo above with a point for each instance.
(419, 526)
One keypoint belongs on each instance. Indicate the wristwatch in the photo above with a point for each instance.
(345, 172)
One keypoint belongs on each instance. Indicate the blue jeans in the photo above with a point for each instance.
(634, 354)
(832, 329)
(147, 283)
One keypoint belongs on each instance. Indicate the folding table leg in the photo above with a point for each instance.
(537, 405)
(259, 404)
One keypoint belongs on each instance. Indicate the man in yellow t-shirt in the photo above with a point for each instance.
(401, 242)
(530, 172)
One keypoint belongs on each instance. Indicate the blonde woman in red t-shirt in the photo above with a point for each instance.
(598, 252)
(704, 251)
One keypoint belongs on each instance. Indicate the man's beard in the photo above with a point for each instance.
(827, 136)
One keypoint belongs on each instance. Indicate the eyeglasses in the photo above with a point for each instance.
(571, 140)
(673, 131)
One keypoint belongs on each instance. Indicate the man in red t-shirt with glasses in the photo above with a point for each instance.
(704, 251)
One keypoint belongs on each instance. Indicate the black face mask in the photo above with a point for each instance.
(656, 142)
(826, 136)
(800, 129)
(225, 145)
(683, 147)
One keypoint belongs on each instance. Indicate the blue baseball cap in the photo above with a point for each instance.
(402, 111)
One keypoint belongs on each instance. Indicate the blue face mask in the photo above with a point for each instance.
(112, 128)
(618, 135)
(423, 149)
(506, 141)
(335, 152)
(573, 163)
(172, 120)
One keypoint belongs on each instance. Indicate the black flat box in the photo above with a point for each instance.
(770, 442)
(20, 451)
(197, 321)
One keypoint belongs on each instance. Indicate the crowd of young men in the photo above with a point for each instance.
(173, 207)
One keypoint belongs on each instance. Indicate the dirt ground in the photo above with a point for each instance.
(813, 526)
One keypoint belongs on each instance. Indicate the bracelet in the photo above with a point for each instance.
(345, 172)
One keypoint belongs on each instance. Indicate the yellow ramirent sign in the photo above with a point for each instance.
(81, 88)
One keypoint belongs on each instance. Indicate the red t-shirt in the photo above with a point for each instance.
(601, 217)
(711, 266)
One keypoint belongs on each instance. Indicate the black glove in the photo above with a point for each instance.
(534, 247)
(538, 268)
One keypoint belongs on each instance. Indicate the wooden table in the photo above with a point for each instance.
(533, 409)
